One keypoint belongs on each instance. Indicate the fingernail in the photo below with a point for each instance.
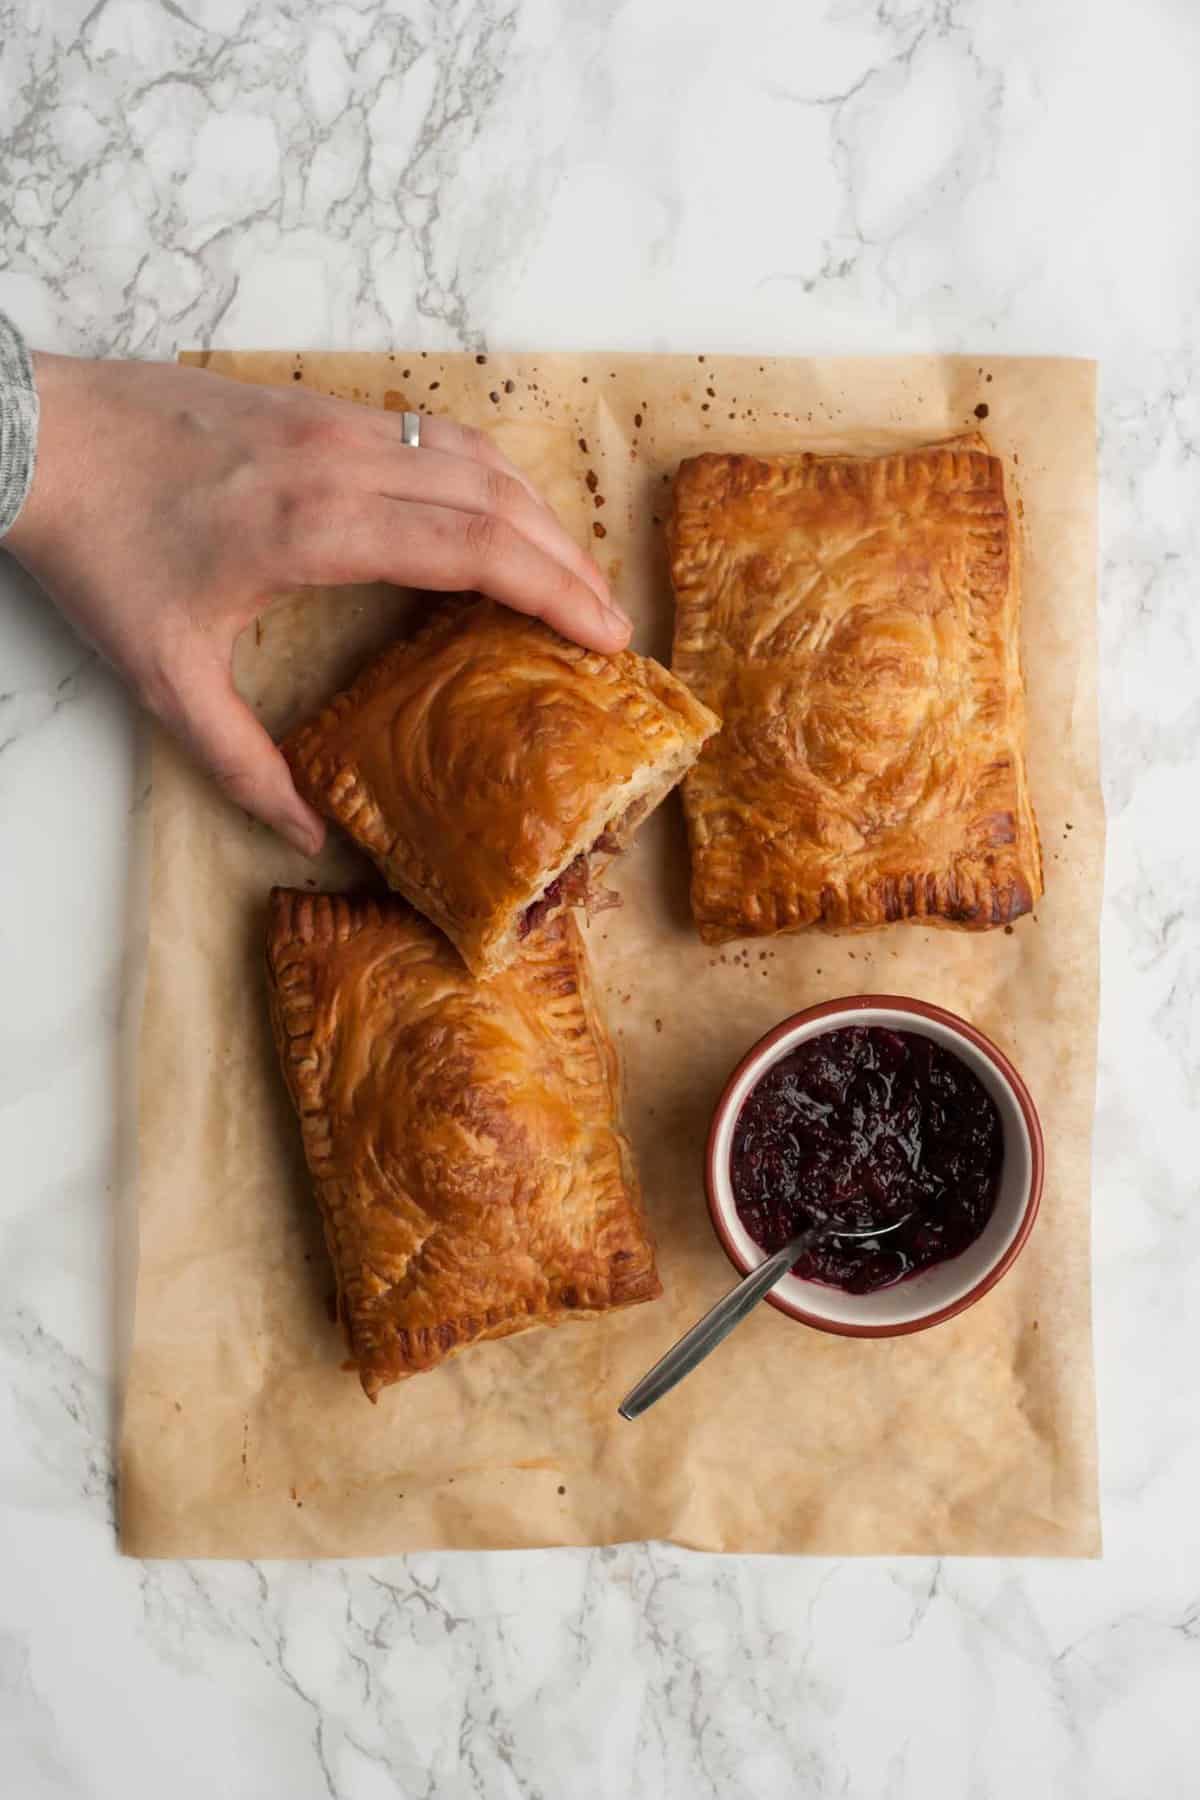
(620, 621)
(303, 837)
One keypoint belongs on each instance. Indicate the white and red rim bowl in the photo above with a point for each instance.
(934, 1294)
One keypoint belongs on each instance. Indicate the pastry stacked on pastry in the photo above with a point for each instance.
(854, 623)
(456, 1088)
(488, 767)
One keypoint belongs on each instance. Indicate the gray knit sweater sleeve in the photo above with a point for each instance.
(18, 423)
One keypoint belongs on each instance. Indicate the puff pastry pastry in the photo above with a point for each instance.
(855, 622)
(463, 1137)
(484, 760)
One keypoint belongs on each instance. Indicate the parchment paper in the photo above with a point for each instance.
(242, 1436)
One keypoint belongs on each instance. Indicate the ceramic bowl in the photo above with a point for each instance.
(934, 1294)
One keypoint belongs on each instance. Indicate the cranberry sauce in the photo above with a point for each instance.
(861, 1126)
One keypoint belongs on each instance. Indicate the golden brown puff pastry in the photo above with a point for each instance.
(482, 761)
(463, 1137)
(855, 622)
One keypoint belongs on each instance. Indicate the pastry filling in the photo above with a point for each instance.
(568, 889)
(573, 887)
(863, 1127)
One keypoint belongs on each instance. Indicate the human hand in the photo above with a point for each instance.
(170, 506)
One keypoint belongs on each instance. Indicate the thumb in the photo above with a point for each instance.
(222, 733)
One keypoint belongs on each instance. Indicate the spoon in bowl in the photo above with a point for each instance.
(729, 1311)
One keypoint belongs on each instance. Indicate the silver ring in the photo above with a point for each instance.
(410, 430)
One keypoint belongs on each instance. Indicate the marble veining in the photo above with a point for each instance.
(870, 174)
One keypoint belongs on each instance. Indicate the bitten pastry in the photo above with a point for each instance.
(855, 622)
(484, 761)
(463, 1137)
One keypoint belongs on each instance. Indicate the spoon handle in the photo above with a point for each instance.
(715, 1326)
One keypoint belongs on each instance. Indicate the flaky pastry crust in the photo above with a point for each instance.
(463, 1137)
(475, 761)
(855, 623)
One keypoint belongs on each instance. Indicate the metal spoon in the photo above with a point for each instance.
(729, 1311)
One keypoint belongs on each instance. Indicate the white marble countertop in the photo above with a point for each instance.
(870, 175)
